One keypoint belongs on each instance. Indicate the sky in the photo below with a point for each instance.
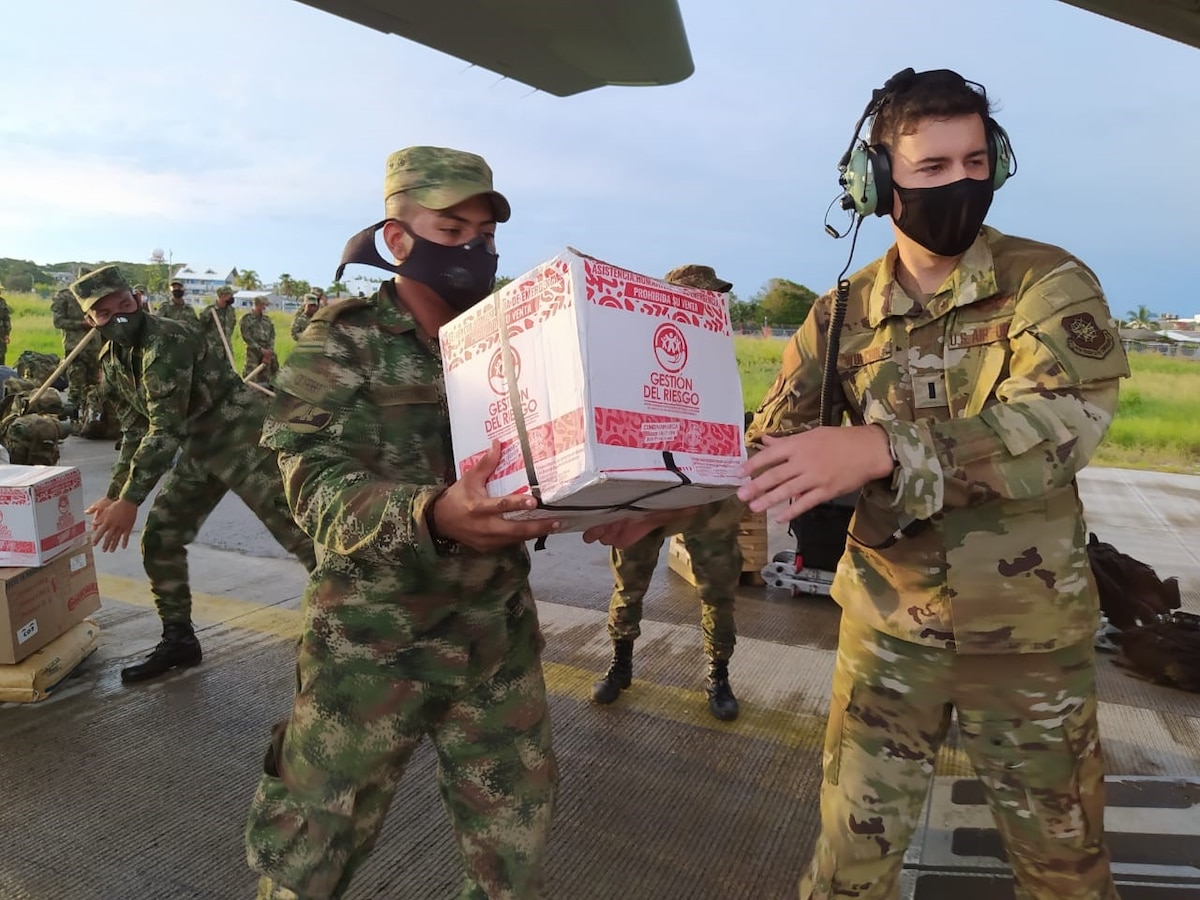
(253, 133)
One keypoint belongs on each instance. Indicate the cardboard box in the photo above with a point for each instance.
(38, 676)
(615, 389)
(39, 603)
(41, 513)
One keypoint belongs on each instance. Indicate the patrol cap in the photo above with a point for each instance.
(175, 282)
(93, 287)
(265, 300)
(702, 277)
(311, 300)
(139, 289)
(439, 177)
(224, 291)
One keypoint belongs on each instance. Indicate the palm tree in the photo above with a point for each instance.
(248, 280)
(1141, 318)
(285, 285)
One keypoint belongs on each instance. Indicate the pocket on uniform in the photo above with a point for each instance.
(841, 698)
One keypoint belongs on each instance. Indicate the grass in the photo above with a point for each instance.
(33, 329)
(1157, 424)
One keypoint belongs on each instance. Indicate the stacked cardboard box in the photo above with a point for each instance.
(752, 541)
(47, 577)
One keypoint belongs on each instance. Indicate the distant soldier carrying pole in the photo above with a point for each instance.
(83, 374)
(225, 313)
(258, 331)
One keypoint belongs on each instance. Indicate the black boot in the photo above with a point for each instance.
(178, 649)
(619, 674)
(721, 702)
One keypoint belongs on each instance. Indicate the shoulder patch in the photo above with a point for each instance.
(1087, 337)
(340, 308)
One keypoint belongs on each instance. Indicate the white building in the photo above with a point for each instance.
(245, 300)
(201, 282)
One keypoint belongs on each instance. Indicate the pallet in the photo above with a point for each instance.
(752, 539)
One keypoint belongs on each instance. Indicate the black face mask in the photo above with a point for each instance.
(123, 328)
(946, 219)
(177, 294)
(461, 275)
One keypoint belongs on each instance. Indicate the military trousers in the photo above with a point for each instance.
(215, 460)
(1027, 723)
(365, 699)
(711, 538)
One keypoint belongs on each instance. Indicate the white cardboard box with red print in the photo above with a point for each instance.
(626, 389)
(41, 513)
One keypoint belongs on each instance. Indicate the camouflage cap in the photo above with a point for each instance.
(139, 289)
(264, 299)
(93, 287)
(175, 281)
(224, 291)
(702, 277)
(319, 292)
(311, 300)
(438, 178)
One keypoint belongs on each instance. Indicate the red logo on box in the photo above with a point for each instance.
(496, 377)
(670, 347)
(81, 596)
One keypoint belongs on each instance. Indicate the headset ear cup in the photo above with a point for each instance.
(880, 169)
(858, 182)
(1000, 153)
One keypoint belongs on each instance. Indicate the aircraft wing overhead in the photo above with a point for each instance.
(1175, 19)
(562, 47)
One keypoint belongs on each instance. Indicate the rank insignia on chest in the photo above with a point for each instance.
(929, 391)
(1086, 337)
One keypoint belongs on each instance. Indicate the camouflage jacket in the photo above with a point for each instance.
(299, 323)
(228, 317)
(68, 316)
(259, 334)
(168, 388)
(994, 395)
(5, 320)
(363, 434)
(177, 312)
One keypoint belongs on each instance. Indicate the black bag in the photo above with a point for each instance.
(1131, 593)
(821, 533)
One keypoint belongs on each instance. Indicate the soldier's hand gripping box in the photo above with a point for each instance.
(610, 392)
(41, 513)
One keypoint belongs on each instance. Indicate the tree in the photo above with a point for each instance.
(1141, 318)
(743, 312)
(501, 282)
(248, 280)
(300, 288)
(20, 282)
(285, 285)
(337, 289)
(784, 302)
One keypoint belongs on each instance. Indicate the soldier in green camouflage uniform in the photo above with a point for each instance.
(187, 417)
(258, 331)
(5, 326)
(979, 373)
(177, 308)
(83, 374)
(226, 314)
(304, 315)
(712, 543)
(419, 620)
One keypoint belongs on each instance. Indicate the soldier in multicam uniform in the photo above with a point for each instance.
(226, 314)
(83, 374)
(304, 315)
(5, 326)
(176, 308)
(419, 620)
(711, 538)
(176, 397)
(258, 331)
(979, 373)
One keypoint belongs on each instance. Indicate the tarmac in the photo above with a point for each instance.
(142, 792)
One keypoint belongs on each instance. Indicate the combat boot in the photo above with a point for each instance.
(178, 649)
(619, 674)
(721, 702)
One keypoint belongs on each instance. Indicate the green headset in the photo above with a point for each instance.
(866, 169)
